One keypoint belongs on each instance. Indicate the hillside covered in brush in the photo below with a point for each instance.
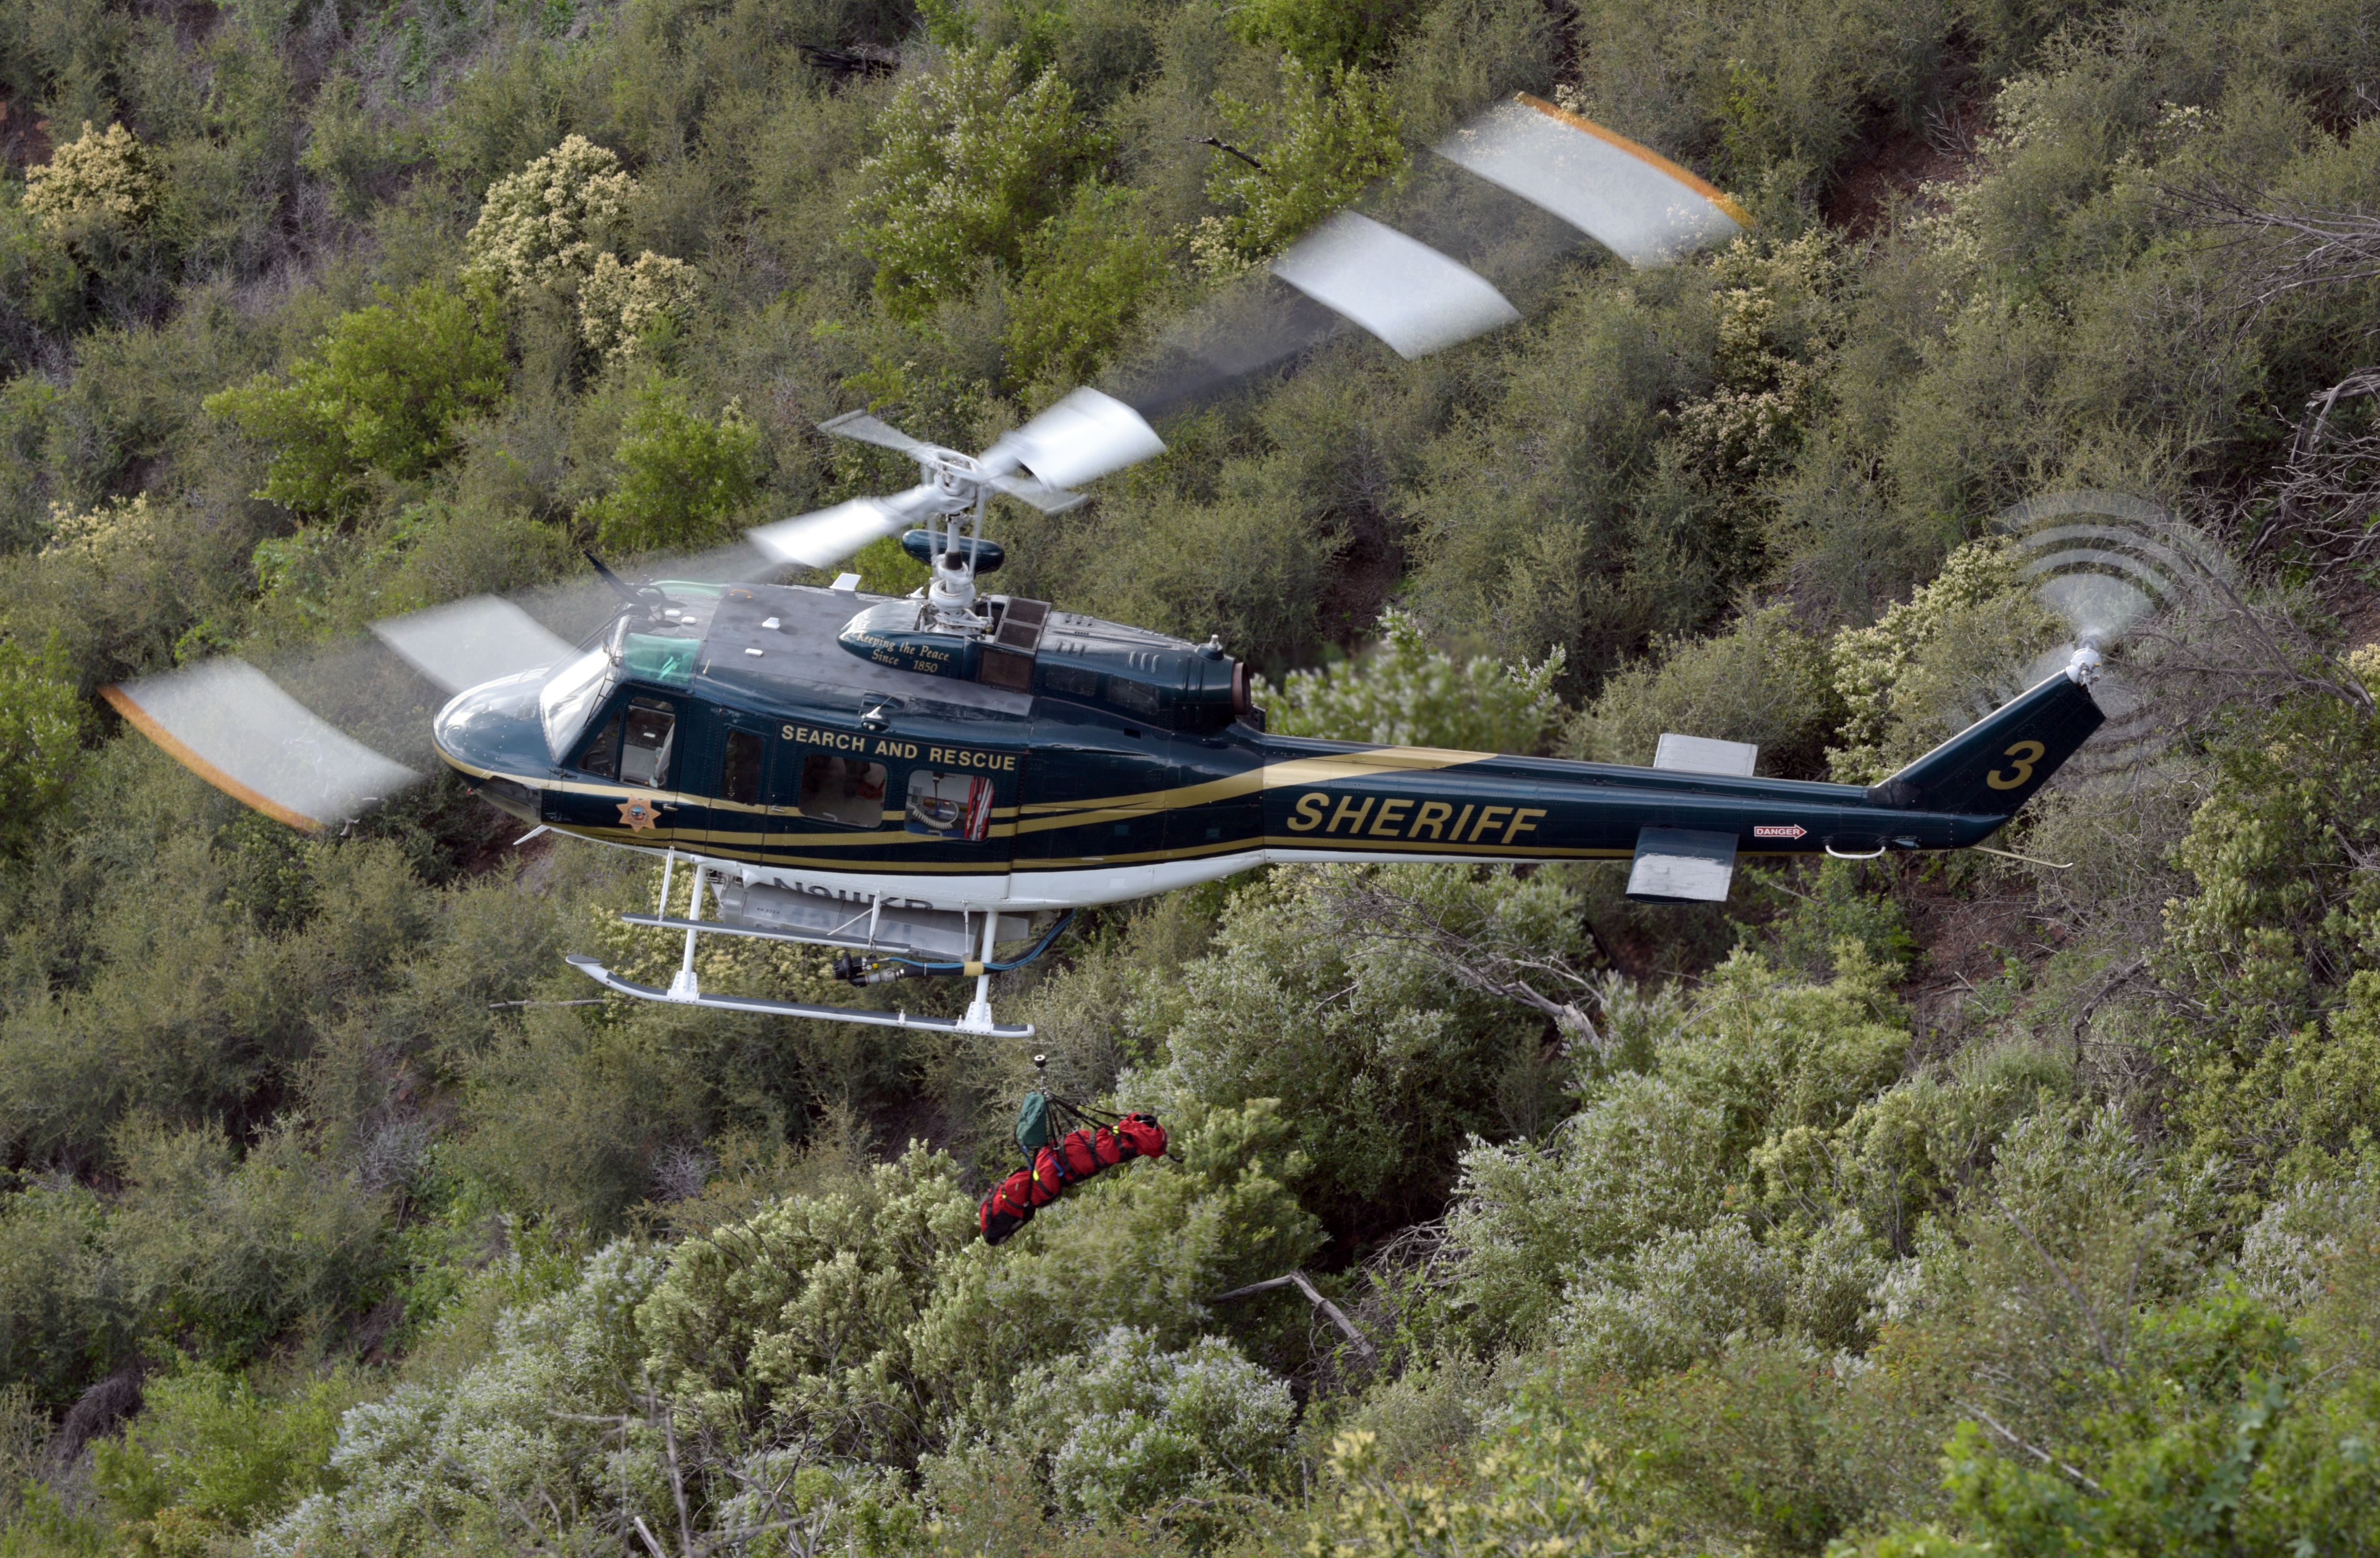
(2021, 1203)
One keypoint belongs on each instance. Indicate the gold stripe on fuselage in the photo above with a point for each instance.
(1376, 763)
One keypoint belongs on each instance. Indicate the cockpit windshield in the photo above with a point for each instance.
(572, 694)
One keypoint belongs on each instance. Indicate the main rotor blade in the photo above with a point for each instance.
(470, 641)
(230, 725)
(1083, 437)
(1483, 228)
(1049, 500)
(830, 535)
(1402, 290)
(867, 429)
(1630, 198)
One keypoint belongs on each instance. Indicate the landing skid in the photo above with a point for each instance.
(968, 1024)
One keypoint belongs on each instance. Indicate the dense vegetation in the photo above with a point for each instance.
(1945, 1207)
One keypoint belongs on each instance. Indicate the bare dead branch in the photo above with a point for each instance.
(1337, 1317)
(1485, 958)
(2284, 246)
(2044, 1456)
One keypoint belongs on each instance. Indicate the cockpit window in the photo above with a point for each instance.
(601, 757)
(654, 657)
(570, 695)
(646, 737)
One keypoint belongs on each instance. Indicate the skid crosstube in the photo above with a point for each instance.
(612, 981)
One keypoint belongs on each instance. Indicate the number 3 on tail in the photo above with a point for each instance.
(2026, 753)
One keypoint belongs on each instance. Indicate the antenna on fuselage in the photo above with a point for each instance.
(621, 586)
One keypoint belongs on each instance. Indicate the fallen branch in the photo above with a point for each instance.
(1332, 1312)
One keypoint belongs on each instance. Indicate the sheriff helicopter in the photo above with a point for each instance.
(920, 782)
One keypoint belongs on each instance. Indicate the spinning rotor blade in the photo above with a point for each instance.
(867, 429)
(1512, 189)
(1083, 437)
(2106, 565)
(1049, 500)
(227, 723)
(1402, 290)
(830, 535)
(1441, 258)
(471, 641)
(1633, 200)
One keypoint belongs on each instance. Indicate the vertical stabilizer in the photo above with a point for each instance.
(1995, 765)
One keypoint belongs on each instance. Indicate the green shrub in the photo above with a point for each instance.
(209, 1456)
(2213, 1439)
(1406, 694)
(354, 150)
(1384, 1064)
(531, 1430)
(1696, 1097)
(868, 1314)
(682, 476)
(1322, 34)
(971, 165)
(233, 1252)
(1086, 275)
(1126, 1426)
(2275, 939)
(1684, 1296)
(381, 394)
(1764, 680)
(1333, 133)
(41, 735)
(63, 1320)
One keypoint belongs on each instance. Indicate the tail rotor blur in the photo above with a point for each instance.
(2123, 574)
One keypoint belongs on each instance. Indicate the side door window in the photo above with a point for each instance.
(955, 805)
(634, 742)
(740, 786)
(847, 792)
(648, 736)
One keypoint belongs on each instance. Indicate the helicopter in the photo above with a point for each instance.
(917, 782)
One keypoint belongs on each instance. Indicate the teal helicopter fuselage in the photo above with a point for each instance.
(821, 742)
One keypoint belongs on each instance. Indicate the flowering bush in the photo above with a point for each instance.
(617, 303)
(1539, 1487)
(100, 178)
(1126, 1426)
(1913, 678)
(543, 226)
(115, 530)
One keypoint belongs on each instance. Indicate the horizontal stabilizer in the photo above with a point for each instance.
(1700, 754)
(612, 981)
(1681, 866)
